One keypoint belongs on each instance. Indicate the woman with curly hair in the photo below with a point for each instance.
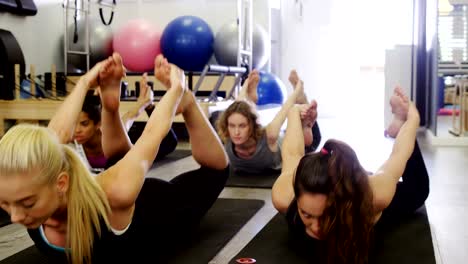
(252, 148)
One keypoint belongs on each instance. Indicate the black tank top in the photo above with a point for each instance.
(132, 246)
(128, 247)
(305, 245)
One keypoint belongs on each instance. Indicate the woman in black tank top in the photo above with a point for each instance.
(329, 197)
(109, 217)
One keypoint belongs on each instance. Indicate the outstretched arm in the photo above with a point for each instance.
(384, 181)
(144, 100)
(273, 128)
(123, 181)
(64, 120)
(292, 151)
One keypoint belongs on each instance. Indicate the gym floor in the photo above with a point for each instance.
(447, 203)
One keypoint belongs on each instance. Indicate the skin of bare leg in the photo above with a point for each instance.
(207, 148)
(115, 141)
(399, 104)
(292, 151)
(272, 130)
(249, 89)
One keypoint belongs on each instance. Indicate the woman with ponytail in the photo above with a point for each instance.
(329, 199)
(77, 217)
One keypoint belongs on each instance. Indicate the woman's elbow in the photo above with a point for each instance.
(64, 136)
(121, 196)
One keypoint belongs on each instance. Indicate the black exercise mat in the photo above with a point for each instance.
(29, 255)
(260, 180)
(405, 242)
(221, 223)
(173, 156)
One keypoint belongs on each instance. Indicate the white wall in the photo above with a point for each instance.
(397, 69)
(40, 36)
(333, 39)
(318, 46)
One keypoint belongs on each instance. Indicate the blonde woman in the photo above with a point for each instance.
(70, 214)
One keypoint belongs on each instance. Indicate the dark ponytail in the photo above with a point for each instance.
(347, 222)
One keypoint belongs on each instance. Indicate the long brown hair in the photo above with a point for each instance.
(348, 219)
(246, 109)
(28, 147)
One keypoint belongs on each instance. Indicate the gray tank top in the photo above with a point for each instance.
(262, 160)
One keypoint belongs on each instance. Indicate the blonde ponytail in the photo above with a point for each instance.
(87, 206)
(25, 148)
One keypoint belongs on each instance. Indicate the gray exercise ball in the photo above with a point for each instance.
(100, 41)
(225, 45)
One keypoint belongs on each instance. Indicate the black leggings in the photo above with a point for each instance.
(167, 146)
(172, 209)
(413, 190)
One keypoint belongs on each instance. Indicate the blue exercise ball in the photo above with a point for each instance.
(270, 89)
(187, 41)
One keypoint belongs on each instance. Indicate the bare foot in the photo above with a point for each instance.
(400, 105)
(110, 76)
(308, 117)
(293, 78)
(401, 93)
(145, 97)
(167, 73)
(162, 70)
(173, 78)
(297, 83)
(249, 90)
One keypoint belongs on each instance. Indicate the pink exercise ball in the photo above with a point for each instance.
(138, 43)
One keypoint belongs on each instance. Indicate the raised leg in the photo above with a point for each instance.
(207, 148)
(115, 141)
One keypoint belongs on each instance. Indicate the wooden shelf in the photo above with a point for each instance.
(44, 109)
